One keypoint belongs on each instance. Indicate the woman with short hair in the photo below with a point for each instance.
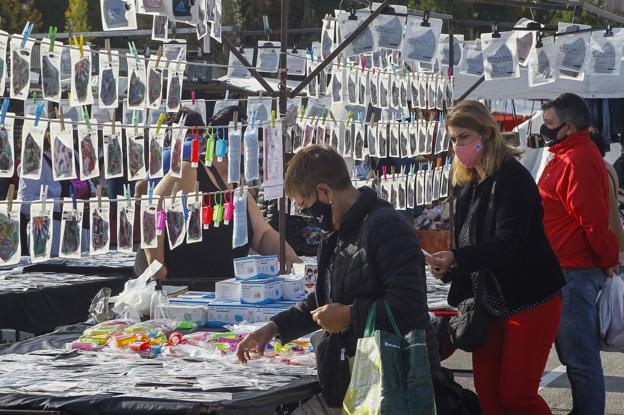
(511, 253)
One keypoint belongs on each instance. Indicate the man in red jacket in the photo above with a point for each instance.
(574, 189)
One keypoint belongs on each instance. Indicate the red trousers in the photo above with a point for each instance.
(508, 369)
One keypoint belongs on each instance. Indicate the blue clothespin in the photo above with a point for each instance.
(135, 121)
(393, 68)
(184, 207)
(360, 118)
(127, 194)
(150, 190)
(26, 33)
(413, 117)
(227, 95)
(253, 119)
(5, 107)
(38, 113)
(73, 196)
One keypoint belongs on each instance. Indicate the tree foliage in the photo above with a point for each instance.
(76, 16)
(14, 16)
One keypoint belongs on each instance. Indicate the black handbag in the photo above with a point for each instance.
(469, 328)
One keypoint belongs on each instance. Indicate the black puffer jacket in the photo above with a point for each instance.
(377, 255)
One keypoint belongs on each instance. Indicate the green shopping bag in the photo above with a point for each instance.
(391, 373)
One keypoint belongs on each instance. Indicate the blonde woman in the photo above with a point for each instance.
(522, 298)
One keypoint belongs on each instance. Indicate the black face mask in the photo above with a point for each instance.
(550, 134)
(321, 213)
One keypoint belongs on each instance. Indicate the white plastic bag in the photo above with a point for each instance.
(137, 293)
(611, 312)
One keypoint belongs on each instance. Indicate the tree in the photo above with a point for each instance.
(76, 16)
(15, 16)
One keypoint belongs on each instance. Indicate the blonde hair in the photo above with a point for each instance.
(477, 117)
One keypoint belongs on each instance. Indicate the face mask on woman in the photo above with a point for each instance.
(470, 154)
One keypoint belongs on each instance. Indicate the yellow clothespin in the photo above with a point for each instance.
(273, 118)
(10, 198)
(349, 116)
(159, 123)
(98, 192)
(80, 44)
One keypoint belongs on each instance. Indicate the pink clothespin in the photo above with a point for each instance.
(193, 97)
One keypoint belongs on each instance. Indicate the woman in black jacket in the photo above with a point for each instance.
(369, 251)
(511, 253)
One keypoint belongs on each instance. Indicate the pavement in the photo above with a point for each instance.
(555, 387)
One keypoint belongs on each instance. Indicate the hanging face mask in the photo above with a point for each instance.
(240, 233)
(470, 154)
(550, 134)
(322, 213)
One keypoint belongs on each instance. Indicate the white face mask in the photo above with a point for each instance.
(240, 231)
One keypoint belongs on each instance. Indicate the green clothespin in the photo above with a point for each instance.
(303, 110)
(133, 51)
(127, 194)
(273, 116)
(34, 97)
(210, 147)
(325, 112)
(85, 116)
(52, 35)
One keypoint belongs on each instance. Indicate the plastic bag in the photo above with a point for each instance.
(611, 312)
(100, 309)
(137, 294)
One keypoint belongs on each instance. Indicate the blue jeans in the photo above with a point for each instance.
(578, 341)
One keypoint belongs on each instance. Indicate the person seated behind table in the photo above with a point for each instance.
(368, 251)
(212, 258)
(512, 252)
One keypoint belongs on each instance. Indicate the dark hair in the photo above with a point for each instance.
(570, 107)
(596, 137)
(313, 165)
(224, 117)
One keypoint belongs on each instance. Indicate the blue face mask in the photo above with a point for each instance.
(251, 154)
(234, 156)
(240, 232)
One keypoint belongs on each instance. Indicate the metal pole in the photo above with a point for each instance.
(450, 196)
(340, 48)
(249, 67)
(283, 106)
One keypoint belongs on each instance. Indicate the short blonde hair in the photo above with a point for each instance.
(475, 116)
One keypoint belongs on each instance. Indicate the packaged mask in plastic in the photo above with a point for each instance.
(71, 229)
(358, 142)
(160, 28)
(109, 80)
(20, 67)
(473, 59)
(236, 69)
(542, 63)
(429, 186)
(395, 133)
(458, 50)
(194, 218)
(137, 81)
(431, 128)
(177, 147)
(62, 143)
(444, 180)
(155, 80)
(410, 194)
(372, 139)
(384, 91)
(176, 223)
(382, 134)
(234, 153)
(251, 154)
(136, 153)
(148, 225)
(4, 42)
(174, 87)
(500, 58)
(88, 150)
(81, 93)
(404, 139)
(437, 180)
(573, 51)
(10, 244)
(421, 42)
(420, 187)
(605, 54)
(125, 225)
(32, 148)
(118, 15)
(413, 139)
(7, 147)
(155, 152)
(99, 225)
(41, 230)
(51, 70)
(373, 88)
(113, 153)
(400, 185)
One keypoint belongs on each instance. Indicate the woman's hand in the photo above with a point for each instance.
(332, 317)
(257, 341)
(440, 263)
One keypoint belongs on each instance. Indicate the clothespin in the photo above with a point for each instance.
(127, 194)
(38, 112)
(34, 97)
(173, 193)
(98, 193)
(150, 191)
(26, 33)
(273, 118)
(59, 113)
(108, 51)
(10, 193)
(413, 117)
(393, 66)
(179, 59)
(384, 172)
(609, 31)
(43, 195)
(495, 34)
(425, 21)
(184, 205)
(133, 51)
(363, 62)
(235, 120)
(267, 29)
(193, 97)
(161, 216)
(5, 107)
(325, 112)
(79, 44)
(207, 212)
(73, 196)
(228, 209)
(227, 96)
(52, 35)
(195, 148)
(113, 123)
(360, 120)
(181, 125)
(85, 116)
(372, 120)
(539, 43)
(159, 56)
(303, 110)
(252, 119)
(349, 116)
(135, 121)
(352, 15)
(159, 123)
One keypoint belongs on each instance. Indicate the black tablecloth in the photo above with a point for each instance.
(42, 310)
(244, 403)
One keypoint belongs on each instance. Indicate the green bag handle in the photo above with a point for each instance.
(369, 329)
